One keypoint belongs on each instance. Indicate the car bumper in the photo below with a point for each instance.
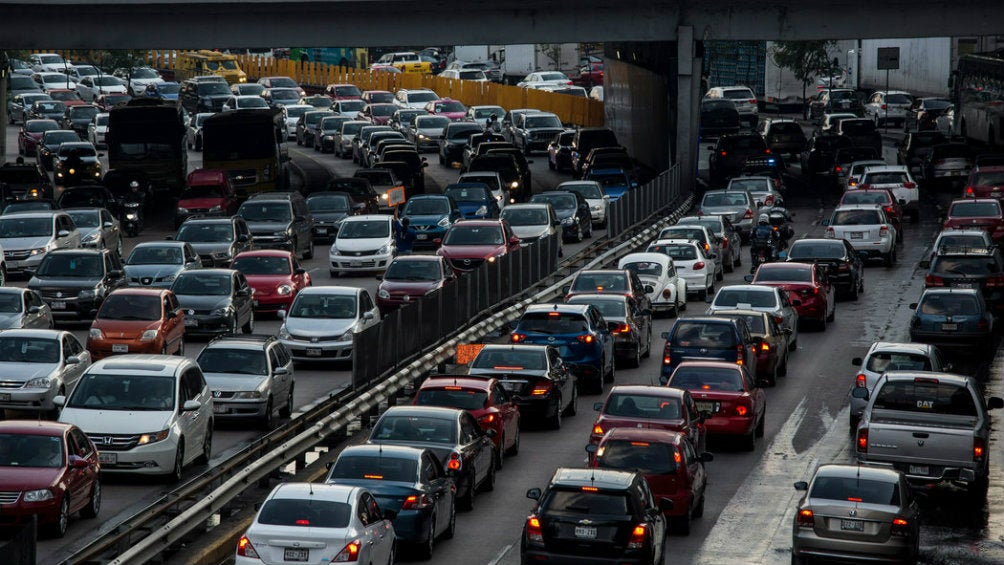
(101, 348)
(20, 512)
(396, 301)
(541, 555)
(719, 425)
(955, 340)
(537, 408)
(805, 543)
(696, 282)
(872, 249)
(325, 231)
(239, 409)
(273, 302)
(207, 324)
(365, 263)
(153, 459)
(272, 242)
(33, 399)
(29, 265)
(320, 351)
(814, 310)
(73, 307)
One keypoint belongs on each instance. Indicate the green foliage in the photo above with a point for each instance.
(803, 58)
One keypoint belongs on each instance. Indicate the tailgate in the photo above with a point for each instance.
(918, 441)
(857, 233)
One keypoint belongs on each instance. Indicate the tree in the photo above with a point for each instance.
(553, 53)
(803, 58)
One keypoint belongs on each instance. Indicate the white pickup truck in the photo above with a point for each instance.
(934, 427)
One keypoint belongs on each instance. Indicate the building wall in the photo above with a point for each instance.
(636, 108)
(924, 65)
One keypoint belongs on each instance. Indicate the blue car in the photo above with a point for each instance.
(614, 182)
(952, 318)
(475, 200)
(581, 335)
(407, 480)
(162, 90)
(430, 215)
(708, 337)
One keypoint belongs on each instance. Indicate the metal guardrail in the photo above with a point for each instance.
(639, 204)
(167, 521)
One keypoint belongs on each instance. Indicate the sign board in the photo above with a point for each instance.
(888, 58)
(466, 352)
(395, 196)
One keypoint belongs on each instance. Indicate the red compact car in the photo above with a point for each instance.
(410, 277)
(726, 391)
(453, 109)
(808, 288)
(66, 96)
(138, 320)
(377, 114)
(31, 133)
(342, 92)
(275, 276)
(208, 192)
(985, 182)
(672, 466)
(51, 471)
(486, 399)
(983, 213)
(377, 97)
(655, 407)
(468, 243)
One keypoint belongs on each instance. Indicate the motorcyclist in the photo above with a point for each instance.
(134, 195)
(490, 125)
(763, 239)
(780, 219)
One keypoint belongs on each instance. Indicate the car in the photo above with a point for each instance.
(774, 342)
(512, 177)
(861, 132)
(77, 118)
(365, 199)
(761, 188)
(981, 268)
(21, 308)
(819, 156)
(532, 131)
(158, 263)
(730, 243)
(830, 518)
(583, 337)
(280, 220)
(630, 325)
(383, 182)
(407, 481)
(54, 470)
(363, 243)
(207, 193)
(344, 140)
(306, 126)
(247, 89)
(430, 215)
(370, 150)
(167, 90)
(90, 87)
(719, 117)
(923, 113)
(948, 163)
(250, 376)
(322, 320)
(193, 130)
(452, 434)
(709, 337)
(770, 299)
(885, 106)
(376, 114)
(138, 78)
(743, 98)
(913, 150)
(708, 242)
(46, 110)
(610, 281)
(76, 163)
(21, 104)
(729, 396)
(985, 182)
(844, 267)
(329, 209)
(475, 200)
(342, 91)
(952, 318)
(475, 75)
(693, 264)
(275, 278)
(736, 206)
(48, 81)
(410, 277)
(26, 237)
(540, 78)
(271, 82)
(216, 301)
(607, 158)
(402, 118)
(783, 136)
(572, 210)
(316, 101)
(831, 100)
(977, 213)
(324, 138)
(426, 131)
(615, 182)
(634, 523)
(341, 522)
(108, 101)
(17, 86)
(74, 282)
(279, 97)
(659, 272)
(137, 320)
(453, 140)
(68, 96)
(452, 109)
(245, 102)
(291, 114)
(868, 229)
(885, 356)
(39, 364)
(808, 289)
(413, 97)
(98, 228)
(559, 151)
(97, 129)
(216, 240)
(469, 243)
(649, 407)
(532, 222)
(960, 238)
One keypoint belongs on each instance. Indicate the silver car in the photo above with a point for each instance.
(888, 356)
(193, 132)
(768, 299)
(98, 228)
(27, 236)
(23, 308)
(38, 365)
(322, 320)
(737, 206)
(158, 263)
(250, 376)
(533, 222)
(425, 131)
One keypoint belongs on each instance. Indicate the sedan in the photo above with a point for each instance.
(540, 78)
(29, 137)
(408, 278)
(572, 211)
(244, 103)
(630, 325)
(158, 263)
(809, 289)
(844, 267)
(727, 395)
(275, 277)
(99, 229)
(38, 365)
(90, 87)
(21, 308)
(652, 407)
(982, 213)
(137, 320)
(46, 110)
(314, 523)
(760, 298)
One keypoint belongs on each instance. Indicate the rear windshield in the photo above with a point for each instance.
(962, 241)
(899, 99)
(754, 323)
(643, 406)
(549, 323)
(725, 199)
(885, 178)
(738, 94)
(994, 178)
(702, 334)
(512, 359)
(857, 127)
(642, 456)
(854, 489)
(784, 274)
(453, 397)
(736, 296)
(415, 428)
(601, 281)
(649, 268)
(949, 305)
(882, 361)
(305, 512)
(708, 378)
(975, 209)
(928, 396)
(817, 250)
(856, 218)
(744, 142)
(865, 197)
(953, 152)
(967, 265)
(786, 128)
(585, 502)
(380, 468)
(684, 232)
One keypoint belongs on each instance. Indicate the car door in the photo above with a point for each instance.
(34, 313)
(71, 372)
(439, 486)
(194, 423)
(366, 306)
(114, 271)
(379, 531)
(694, 421)
(242, 299)
(110, 234)
(696, 473)
(476, 447)
(304, 222)
(509, 411)
(76, 480)
(192, 260)
(174, 329)
(280, 380)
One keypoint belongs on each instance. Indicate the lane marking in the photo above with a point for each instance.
(498, 557)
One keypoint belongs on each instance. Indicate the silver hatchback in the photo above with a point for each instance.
(737, 206)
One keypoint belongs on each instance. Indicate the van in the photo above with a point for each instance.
(280, 220)
(585, 140)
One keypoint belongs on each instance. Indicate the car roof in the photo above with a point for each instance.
(266, 253)
(854, 471)
(385, 450)
(440, 412)
(561, 308)
(147, 365)
(441, 381)
(886, 169)
(255, 341)
(608, 479)
(650, 390)
(369, 217)
(648, 257)
(753, 287)
(652, 435)
(33, 427)
(710, 363)
(34, 213)
(902, 347)
(330, 290)
(316, 491)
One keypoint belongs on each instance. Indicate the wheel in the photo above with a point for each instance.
(555, 421)
(309, 253)
(890, 258)
(761, 425)
(748, 441)
(489, 484)
(467, 502)
(648, 343)
(179, 463)
(699, 508)
(425, 549)
(683, 523)
(94, 505)
(451, 528)
(266, 422)
(514, 450)
(249, 327)
(500, 454)
(635, 361)
(287, 410)
(573, 407)
(832, 315)
(58, 528)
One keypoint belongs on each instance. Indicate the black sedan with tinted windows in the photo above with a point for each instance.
(843, 265)
(572, 210)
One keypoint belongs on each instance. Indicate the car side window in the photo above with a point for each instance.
(365, 302)
(689, 454)
(430, 469)
(468, 430)
(363, 510)
(273, 358)
(108, 263)
(83, 446)
(691, 407)
(67, 350)
(373, 508)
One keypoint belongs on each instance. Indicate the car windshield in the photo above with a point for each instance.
(928, 396)
(415, 428)
(856, 218)
(510, 359)
(415, 97)
(752, 185)
(169, 88)
(51, 59)
(426, 207)
(305, 512)
(994, 178)
(983, 209)
(331, 124)
(376, 177)
(284, 94)
(349, 90)
(150, 255)
(477, 195)
(453, 397)
(703, 334)
(462, 132)
(375, 468)
(552, 323)
(39, 126)
(329, 306)
(474, 235)
(294, 112)
(350, 128)
(649, 268)
(679, 252)
(85, 218)
(251, 102)
(262, 265)
(588, 190)
(542, 122)
(265, 211)
(713, 223)
(882, 361)
(123, 392)
(364, 229)
(28, 349)
(610, 282)
(130, 307)
(405, 270)
(783, 273)
(27, 206)
(558, 201)
(755, 323)
(283, 82)
(640, 456)
(210, 88)
(206, 233)
(642, 406)
(684, 232)
(195, 283)
(203, 191)
(30, 450)
(383, 110)
(707, 378)
(975, 265)
(519, 216)
(855, 489)
(233, 361)
(756, 299)
(852, 197)
(725, 199)
(452, 106)
(329, 203)
(68, 265)
(612, 308)
(431, 122)
(25, 227)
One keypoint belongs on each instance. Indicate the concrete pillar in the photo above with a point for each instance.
(688, 115)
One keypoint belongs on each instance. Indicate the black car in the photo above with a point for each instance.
(819, 154)
(572, 210)
(729, 153)
(843, 100)
(452, 434)
(280, 220)
(329, 127)
(544, 384)
(201, 95)
(924, 113)
(595, 516)
(77, 163)
(382, 180)
(413, 171)
(559, 151)
(74, 282)
(783, 136)
(19, 181)
(307, 126)
(507, 169)
(861, 132)
(48, 146)
(216, 301)
(329, 209)
(719, 117)
(844, 267)
(915, 147)
(522, 166)
(365, 200)
(980, 268)
(88, 196)
(585, 140)
(216, 240)
(454, 140)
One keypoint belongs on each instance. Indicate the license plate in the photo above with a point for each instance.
(120, 348)
(219, 409)
(254, 303)
(55, 305)
(313, 352)
(920, 470)
(108, 458)
(4, 397)
(706, 406)
(422, 236)
(322, 231)
(857, 235)
(354, 264)
(513, 386)
(962, 285)
(852, 525)
(950, 327)
(295, 554)
(189, 322)
(585, 532)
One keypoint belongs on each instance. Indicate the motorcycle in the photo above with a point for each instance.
(132, 218)
(765, 252)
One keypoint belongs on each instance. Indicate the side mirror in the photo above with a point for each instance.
(62, 233)
(300, 272)
(368, 316)
(592, 448)
(281, 314)
(108, 224)
(597, 406)
(748, 278)
(856, 362)
(565, 289)
(191, 405)
(649, 289)
(860, 392)
(995, 403)
(801, 485)
(533, 494)
(513, 240)
(705, 457)
(913, 306)
(59, 400)
(34, 310)
(665, 504)
(280, 371)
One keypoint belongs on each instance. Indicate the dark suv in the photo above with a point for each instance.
(708, 337)
(980, 268)
(593, 516)
(204, 94)
(74, 282)
(844, 266)
(280, 220)
(216, 301)
(216, 240)
(729, 153)
(453, 141)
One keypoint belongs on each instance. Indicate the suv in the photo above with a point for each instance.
(969, 267)
(628, 523)
(533, 131)
(868, 228)
(280, 220)
(844, 267)
(741, 96)
(885, 356)
(899, 181)
(861, 132)
(783, 136)
(162, 401)
(708, 337)
(74, 282)
(216, 240)
(250, 376)
(216, 301)
(204, 94)
(585, 139)
(729, 153)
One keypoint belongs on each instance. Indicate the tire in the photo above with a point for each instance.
(426, 547)
(760, 427)
(699, 508)
(267, 420)
(554, 422)
(748, 441)
(287, 410)
(249, 327)
(514, 450)
(489, 484)
(179, 463)
(467, 502)
(58, 528)
(573, 406)
(234, 328)
(451, 528)
(500, 454)
(94, 504)
(683, 523)
(832, 315)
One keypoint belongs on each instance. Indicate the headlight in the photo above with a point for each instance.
(85, 294)
(221, 254)
(347, 336)
(421, 136)
(40, 382)
(247, 394)
(514, 184)
(491, 259)
(283, 332)
(216, 208)
(37, 495)
(59, 174)
(95, 333)
(284, 289)
(383, 250)
(444, 222)
(567, 221)
(149, 335)
(221, 311)
(383, 294)
(132, 216)
(153, 437)
(596, 208)
(38, 251)
(182, 210)
(482, 211)
(385, 196)
(92, 237)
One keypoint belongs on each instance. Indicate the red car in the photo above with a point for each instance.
(880, 196)
(377, 114)
(590, 74)
(208, 192)
(985, 182)
(726, 391)
(672, 466)
(377, 97)
(486, 400)
(343, 92)
(31, 133)
(808, 288)
(49, 470)
(655, 407)
(68, 97)
(468, 243)
(453, 109)
(983, 213)
(410, 277)
(275, 277)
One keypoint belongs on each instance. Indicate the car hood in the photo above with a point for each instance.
(97, 421)
(329, 217)
(268, 282)
(125, 329)
(233, 382)
(361, 244)
(524, 232)
(11, 321)
(468, 209)
(311, 327)
(431, 132)
(75, 283)
(205, 202)
(411, 288)
(28, 478)
(198, 302)
(426, 219)
(470, 251)
(24, 372)
(12, 243)
(267, 228)
(210, 247)
(153, 271)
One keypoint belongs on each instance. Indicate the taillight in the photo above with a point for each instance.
(533, 530)
(416, 502)
(516, 338)
(245, 549)
(979, 448)
(830, 232)
(486, 419)
(724, 153)
(900, 527)
(742, 410)
(698, 266)
(769, 201)
(764, 346)
(996, 281)
(597, 430)
(861, 381)
(455, 463)
(666, 293)
(805, 519)
(909, 185)
(970, 191)
(748, 215)
(863, 440)
(837, 169)
(622, 329)
(349, 553)
(884, 106)
(752, 100)
(638, 537)
(725, 243)
(843, 267)
(933, 280)
(739, 354)
(541, 388)
(888, 209)
(587, 338)
(667, 360)
(884, 231)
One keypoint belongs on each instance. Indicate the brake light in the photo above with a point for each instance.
(516, 338)
(739, 354)
(933, 280)
(587, 338)
(996, 281)
(909, 185)
(863, 440)
(590, 489)
(979, 448)
(454, 464)
(349, 553)
(725, 243)
(861, 381)
(724, 153)
(638, 537)
(742, 410)
(767, 151)
(888, 209)
(900, 527)
(707, 247)
(666, 293)
(487, 419)
(748, 215)
(533, 531)
(752, 100)
(416, 502)
(622, 329)
(245, 549)
(540, 389)
(830, 232)
(805, 518)
(667, 360)
(698, 266)
(884, 106)
(970, 191)
(837, 169)
(764, 346)
(597, 430)
(884, 231)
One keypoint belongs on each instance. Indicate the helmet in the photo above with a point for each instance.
(134, 185)
(763, 219)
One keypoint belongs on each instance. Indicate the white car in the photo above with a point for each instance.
(415, 98)
(78, 72)
(692, 264)
(322, 320)
(48, 81)
(888, 106)
(741, 96)
(898, 179)
(139, 78)
(475, 75)
(596, 93)
(480, 115)
(868, 230)
(246, 102)
(98, 129)
(761, 298)
(90, 87)
(857, 168)
(348, 108)
(592, 191)
(150, 414)
(318, 523)
(708, 240)
(46, 62)
(364, 243)
(533, 222)
(959, 238)
(540, 78)
(27, 236)
(885, 356)
(669, 290)
(291, 114)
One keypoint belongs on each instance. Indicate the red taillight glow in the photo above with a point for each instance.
(698, 266)
(884, 106)
(805, 518)
(933, 280)
(909, 185)
(724, 153)
(970, 191)
(884, 231)
(516, 338)
(245, 549)
(861, 381)
(741, 410)
(863, 440)
(996, 281)
(349, 553)
(415, 502)
(454, 464)
(638, 536)
(854, 499)
(540, 389)
(622, 329)
(533, 531)
(748, 215)
(667, 360)
(487, 419)
(979, 448)
(588, 338)
(900, 527)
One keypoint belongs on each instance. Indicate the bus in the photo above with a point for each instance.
(147, 136)
(349, 57)
(978, 95)
(251, 146)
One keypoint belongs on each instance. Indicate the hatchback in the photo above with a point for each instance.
(694, 265)
(158, 263)
(409, 278)
(953, 318)
(216, 301)
(363, 243)
(138, 320)
(729, 397)
(251, 377)
(774, 301)
(275, 278)
(982, 213)
(469, 243)
(868, 229)
(320, 324)
(843, 265)
(630, 325)
(708, 337)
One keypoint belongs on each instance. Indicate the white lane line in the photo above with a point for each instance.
(498, 558)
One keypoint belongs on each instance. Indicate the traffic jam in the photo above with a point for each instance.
(800, 366)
